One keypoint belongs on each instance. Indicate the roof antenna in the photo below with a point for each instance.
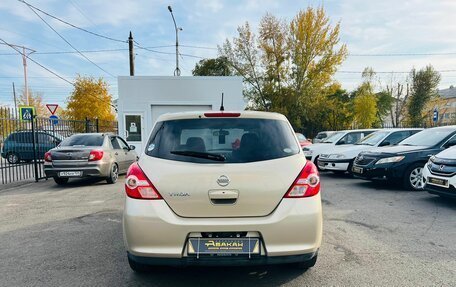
(222, 108)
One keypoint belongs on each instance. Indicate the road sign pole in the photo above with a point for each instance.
(34, 138)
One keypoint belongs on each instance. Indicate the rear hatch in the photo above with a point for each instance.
(71, 153)
(251, 164)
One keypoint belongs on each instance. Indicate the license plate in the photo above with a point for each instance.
(70, 173)
(223, 246)
(356, 169)
(438, 182)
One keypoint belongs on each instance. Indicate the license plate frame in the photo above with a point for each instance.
(358, 170)
(247, 246)
(70, 173)
(438, 182)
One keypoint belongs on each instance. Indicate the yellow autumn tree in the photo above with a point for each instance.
(89, 99)
(35, 99)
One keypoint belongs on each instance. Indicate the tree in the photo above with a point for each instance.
(365, 101)
(219, 66)
(340, 110)
(384, 104)
(423, 89)
(89, 99)
(398, 107)
(289, 68)
(35, 99)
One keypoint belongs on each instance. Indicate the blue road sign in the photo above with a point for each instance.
(54, 119)
(26, 113)
(435, 118)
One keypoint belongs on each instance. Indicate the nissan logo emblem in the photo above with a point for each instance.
(223, 180)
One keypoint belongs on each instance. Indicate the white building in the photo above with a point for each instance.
(142, 99)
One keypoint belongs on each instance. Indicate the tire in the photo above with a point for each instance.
(114, 175)
(61, 180)
(316, 163)
(13, 157)
(413, 178)
(349, 169)
(307, 264)
(137, 267)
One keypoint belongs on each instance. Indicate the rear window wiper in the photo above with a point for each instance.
(205, 155)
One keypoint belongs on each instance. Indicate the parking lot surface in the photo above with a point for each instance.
(374, 234)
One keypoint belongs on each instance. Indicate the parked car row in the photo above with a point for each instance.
(101, 155)
(415, 158)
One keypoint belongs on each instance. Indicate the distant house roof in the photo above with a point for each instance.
(448, 93)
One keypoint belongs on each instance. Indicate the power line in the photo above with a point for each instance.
(72, 25)
(401, 54)
(389, 72)
(63, 38)
(27, 56)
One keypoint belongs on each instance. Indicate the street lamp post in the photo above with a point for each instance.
(177, 70)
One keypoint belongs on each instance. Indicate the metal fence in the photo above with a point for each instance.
(24, 143)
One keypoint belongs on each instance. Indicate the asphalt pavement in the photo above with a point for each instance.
(374, 234)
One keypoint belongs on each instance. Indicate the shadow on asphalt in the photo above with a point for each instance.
(89, 250)
(218, 276)
(444, 202)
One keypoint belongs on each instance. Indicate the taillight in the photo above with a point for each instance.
(47, 156)
(95, 155)
(222, 115)
(137, 185)
(306, 184)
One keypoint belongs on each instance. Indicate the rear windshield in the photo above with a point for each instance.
(301, 137)
(83, 140)
(222, 140)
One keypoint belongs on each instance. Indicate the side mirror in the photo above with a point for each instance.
(341, 142)
(385, 143)
(132, 147)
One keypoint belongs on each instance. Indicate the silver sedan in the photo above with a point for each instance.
(89, 155)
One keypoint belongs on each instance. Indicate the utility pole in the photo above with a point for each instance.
(15, 102)
(132, 56)
(177, 71)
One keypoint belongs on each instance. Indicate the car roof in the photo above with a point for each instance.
(200, 114)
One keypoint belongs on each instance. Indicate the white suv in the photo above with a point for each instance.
(222, 188)
(440, 173)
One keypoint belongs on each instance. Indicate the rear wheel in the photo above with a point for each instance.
(61, 180)
(414, 179)
(12, 157)
(138, 267)
(307, 264)
(114, 175)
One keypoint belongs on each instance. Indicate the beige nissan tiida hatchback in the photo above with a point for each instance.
(222, 188)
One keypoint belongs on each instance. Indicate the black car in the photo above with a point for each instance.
(404, 163)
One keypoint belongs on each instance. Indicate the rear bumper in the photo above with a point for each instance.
(222, 261)
(153, 230)
(102, 170)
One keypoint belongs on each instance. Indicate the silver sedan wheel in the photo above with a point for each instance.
(417, 178)
(115, 172)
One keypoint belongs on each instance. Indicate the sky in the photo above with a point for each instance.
(389, 36)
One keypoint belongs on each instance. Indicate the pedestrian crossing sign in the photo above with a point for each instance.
(26, 113)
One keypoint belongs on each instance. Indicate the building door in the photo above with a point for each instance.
(134, 130)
